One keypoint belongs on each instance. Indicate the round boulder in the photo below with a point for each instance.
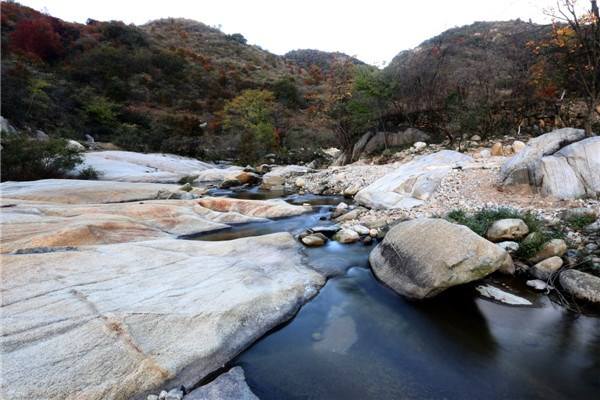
(423, 257)
(346, 236)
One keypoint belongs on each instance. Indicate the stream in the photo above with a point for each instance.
(357, 339)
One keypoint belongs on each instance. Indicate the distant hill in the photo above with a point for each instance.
(306, 58)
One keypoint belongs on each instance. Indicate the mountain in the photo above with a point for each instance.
(162, 86)
(306, 58)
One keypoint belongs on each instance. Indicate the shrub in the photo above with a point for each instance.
(286, 92)
(579, 222)
(88, 174)
(24, 159)
(37, 38)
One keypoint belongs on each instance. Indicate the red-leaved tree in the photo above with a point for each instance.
(36, 38)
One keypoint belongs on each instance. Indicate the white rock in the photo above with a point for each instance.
(485, 153)
(476, 138)
(509, 246)
(509, 228)
(360, 229)
(545, 268)
(74, 145)
(228, 386)
(538, 284)
(500, 295)
(300, 182)
(419, 145)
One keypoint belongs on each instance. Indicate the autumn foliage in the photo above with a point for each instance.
(37, 38)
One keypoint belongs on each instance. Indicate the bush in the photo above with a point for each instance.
(579, 222)
(88, 174)
(24, 159)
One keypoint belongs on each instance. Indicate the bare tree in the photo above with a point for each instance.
(579, 36)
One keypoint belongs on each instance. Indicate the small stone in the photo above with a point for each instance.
(517, 146)
(162, 395)
(485, 153)
(538, 284)
(373, 232)
(360, 229)
(496, 149)
(545, 268)
(419, 145)
(554, 248)
(152, 397)
(476, 138)
(300, 182)
(351, 190)
(509, 228)
(314, 240)
(509, 246)
(346, 236)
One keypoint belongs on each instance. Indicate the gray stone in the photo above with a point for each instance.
(423, 257)
(582, 285)
(507, 229)
(228, 386)
(360, 229)
(509, 246)
(412, 183)
(545, 268)
(314, 240)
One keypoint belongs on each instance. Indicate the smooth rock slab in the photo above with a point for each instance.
(412, 183)
(423, 257)
(123, 320)
(228, 386)
(502, 296)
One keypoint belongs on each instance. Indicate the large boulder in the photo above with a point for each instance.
(275, 179)
(371, 143)
(561, 164)
(423, 257)
(582, 285)
(122, 320)
(127, 166)
(412, 183)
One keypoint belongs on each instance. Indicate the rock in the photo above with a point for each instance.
(412, 183)
(74, 145)
(545, 268)
(83, 191)
(174, 394)
(127, 166)
(300, 182)
(229, 183)
(419, 145)
(351, 215)
(554, 248)
(572, 172)
(497, 149)
(341, 206)
(360, 229)
(246, 177)
(340, 209)
(351, 190)
(275, 179)
(500, 295)
(314, 240)
(275, 208)
(332, 152)
(517, 146)
(162, 395)
(485, 153)
(593, 227)
(346, 236)
(6, 127)
(423, 257)
(476, 138)
(507, 229)
(152, 397)
(41, 136)
(578, 212)
(371, 143)
(580, 284)
(507, 150)
(367, 240)
(523, 168)
(327, 230)
(187, 187)
(373, 232)
(538, 284)
(89, 139)
(509, 246)
(228, 386)
(135, 316)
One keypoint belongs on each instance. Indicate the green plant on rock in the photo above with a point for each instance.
(579, 222)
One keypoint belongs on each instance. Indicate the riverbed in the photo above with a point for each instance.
(357, 339)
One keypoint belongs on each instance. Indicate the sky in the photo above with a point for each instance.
(372, 30)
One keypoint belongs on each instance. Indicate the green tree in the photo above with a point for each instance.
(251, 116)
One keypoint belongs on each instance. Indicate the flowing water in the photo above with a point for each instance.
(359, 340)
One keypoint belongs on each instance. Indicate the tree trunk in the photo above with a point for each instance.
(589, 120)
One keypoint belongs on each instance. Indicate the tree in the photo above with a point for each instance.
(577, 40)
(37, 38)
(251, 116)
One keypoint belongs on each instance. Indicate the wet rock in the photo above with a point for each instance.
(502, 296)
(142, 313)
(554, 248)
(538, 284)
(228, 386)
(328, 230)
(314, 240)
(346, 236)
(423, 257)
(411, 184)
(507, 229)
(582, 285)
(545, 268)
